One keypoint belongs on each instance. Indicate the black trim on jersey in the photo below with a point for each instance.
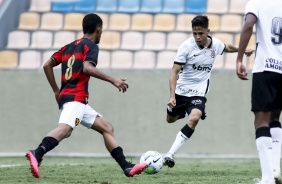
(179, 63)
(252, 14)
(93, 62)
(223, 49)
(54, 60)
(207, 86)
(209, 46)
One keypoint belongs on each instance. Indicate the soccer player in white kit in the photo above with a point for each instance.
(267, 82)
(189, 80)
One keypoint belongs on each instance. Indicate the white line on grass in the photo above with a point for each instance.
(11, 165)
(58, 164)
(135, 155)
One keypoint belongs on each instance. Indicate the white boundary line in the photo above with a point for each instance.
(10, 165)
(12, 154)
(59, 164)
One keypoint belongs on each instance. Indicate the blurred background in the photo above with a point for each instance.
(139, 41)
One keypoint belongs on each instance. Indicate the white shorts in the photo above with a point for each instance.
(74, 113)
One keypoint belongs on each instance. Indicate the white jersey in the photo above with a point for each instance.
(197, 63)
(268, 34)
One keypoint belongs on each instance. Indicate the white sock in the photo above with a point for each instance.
(180, 140)
(264, 147)
(276, 134)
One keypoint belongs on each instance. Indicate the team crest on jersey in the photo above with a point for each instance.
(77, 121)
(212, 52)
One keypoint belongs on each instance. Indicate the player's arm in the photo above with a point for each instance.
(245, 36)
(91, 70)
(232, 49)
(48, 70)
(172, 83)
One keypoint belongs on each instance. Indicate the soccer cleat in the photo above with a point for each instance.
(168, 161)
(277, 177)
(34, 163)
(135, 169)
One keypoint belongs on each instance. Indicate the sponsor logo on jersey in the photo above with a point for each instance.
(196, 102)
(273, 64)
(77, 121)
(206, 68)
(191, 91)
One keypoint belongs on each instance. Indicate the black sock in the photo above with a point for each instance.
(47, 144)
(186, 130)
(117, 154)
(263, 132)
(274, 124)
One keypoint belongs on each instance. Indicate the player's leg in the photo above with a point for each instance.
(71, 115)
(276, 134)
(195, 111)
(183, 135)
(102, 126)
(264, 144)
(263, 98)
(179, 111)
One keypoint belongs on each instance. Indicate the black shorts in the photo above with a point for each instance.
(186, 104)
(266, 91)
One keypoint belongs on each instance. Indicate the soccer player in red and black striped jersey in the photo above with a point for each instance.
(78, 60)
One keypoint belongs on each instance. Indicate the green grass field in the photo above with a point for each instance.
(58, 170)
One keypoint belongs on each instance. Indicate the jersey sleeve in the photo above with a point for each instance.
(251, 8)
(181, 55)
(220, 46)
(57, 56)
(91, 54)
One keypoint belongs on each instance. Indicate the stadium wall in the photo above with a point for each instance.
(29, 112)
(10, 20)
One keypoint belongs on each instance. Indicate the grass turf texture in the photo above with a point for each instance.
(58, 170)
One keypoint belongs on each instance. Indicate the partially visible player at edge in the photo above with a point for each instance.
(189, 80)
(79, 60)
(266, 82)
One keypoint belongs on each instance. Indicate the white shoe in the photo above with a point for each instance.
(277, 177)
(259, 181)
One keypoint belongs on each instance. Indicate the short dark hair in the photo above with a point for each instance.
(200, 21)
(90, 22)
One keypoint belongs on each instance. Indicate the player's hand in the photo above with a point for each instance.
(172, 102)
(120, 84)
(249, 52)
(241, 71)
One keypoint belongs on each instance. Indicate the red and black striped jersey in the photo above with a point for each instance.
(74, 82)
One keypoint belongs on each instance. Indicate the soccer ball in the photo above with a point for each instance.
(154, 161)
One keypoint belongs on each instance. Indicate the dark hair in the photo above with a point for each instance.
(91, 22)
(200, 21)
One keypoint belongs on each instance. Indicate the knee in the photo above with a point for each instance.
(193, 120)
(65, 132)
(108, 128)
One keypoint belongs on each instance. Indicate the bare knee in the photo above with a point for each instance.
(102, 126)
(194, 118)
(61, 132)
(108, 128)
